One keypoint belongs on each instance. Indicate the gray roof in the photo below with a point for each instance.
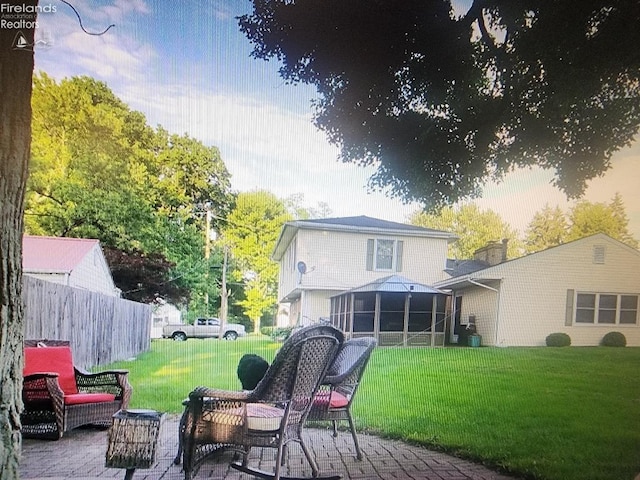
(363, 221)
(394, 284)
(456, 268)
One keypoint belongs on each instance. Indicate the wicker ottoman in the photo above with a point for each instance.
(133, 437)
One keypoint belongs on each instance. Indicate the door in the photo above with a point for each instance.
(457, 314)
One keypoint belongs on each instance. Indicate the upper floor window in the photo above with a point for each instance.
(384, 254)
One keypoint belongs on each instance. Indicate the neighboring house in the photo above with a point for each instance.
(585, 289)
(164, 314)
(323, 258)
(76, 262)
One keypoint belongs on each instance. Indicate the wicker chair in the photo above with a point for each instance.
(59, 397)
(335, 396)
(271, 415)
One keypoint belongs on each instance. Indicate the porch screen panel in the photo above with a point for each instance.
(441, 309)
(347, 313)
(364, 306)
(392, 312)
(335, 312)
(420, 312)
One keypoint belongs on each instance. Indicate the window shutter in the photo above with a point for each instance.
(370, 247)
(568, 316)
(399, 245)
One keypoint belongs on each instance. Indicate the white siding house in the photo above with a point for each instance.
(164, 314)
(585, 289)
(76, 262)
(322, 258)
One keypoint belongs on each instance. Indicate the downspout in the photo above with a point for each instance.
(472, 281)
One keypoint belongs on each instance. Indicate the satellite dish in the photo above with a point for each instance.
(302, 267)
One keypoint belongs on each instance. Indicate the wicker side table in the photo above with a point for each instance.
(133, 437)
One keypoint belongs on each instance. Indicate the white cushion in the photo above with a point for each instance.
(263, 418)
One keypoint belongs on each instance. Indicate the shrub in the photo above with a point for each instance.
(558, 339)
(614, 339)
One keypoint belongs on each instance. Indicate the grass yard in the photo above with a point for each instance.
(544, 413)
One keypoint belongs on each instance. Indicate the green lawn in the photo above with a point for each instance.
(544, 413)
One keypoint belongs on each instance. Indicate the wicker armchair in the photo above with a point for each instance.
(271, 415)
(59, 397)
(335, 396)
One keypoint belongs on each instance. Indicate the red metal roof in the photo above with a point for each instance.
(54, 254)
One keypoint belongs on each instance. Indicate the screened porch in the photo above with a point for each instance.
(395, 310)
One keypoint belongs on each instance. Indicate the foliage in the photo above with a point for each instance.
(143, 277)
(547, 229)
(99, 171)
(614, 339)
(491, 405)
(252, 229)
(551, 227)
(475, 228)
(441, 97)
(588, 218)
(278, 334)
(295, 206)
(558, 339)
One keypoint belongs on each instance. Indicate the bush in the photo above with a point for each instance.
(558, 339)
(278, 334)
(614, 339)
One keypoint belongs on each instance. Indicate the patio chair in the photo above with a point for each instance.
(59, 397)
(335, 396)
(271, 415)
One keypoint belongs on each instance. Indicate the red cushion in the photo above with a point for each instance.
(78, 398)
(55, 360)
(337, 399)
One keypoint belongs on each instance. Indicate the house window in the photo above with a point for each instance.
(384, 254)
(606, 309)
(629, 309)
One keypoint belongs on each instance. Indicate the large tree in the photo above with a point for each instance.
(98, 170)
(474, 227)
(548, 228)
(251, 230)
(551, 226)
(588, 218)
(441, 99)
(16, 68)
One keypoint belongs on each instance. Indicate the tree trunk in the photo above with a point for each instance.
(16, 70)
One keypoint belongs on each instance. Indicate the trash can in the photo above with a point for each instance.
(475, 340)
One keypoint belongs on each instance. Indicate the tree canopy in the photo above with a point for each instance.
(441, 100)
(99, 171)
(551, 227)
(474, 227)
(251, 230)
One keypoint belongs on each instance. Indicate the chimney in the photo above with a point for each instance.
(493, 253)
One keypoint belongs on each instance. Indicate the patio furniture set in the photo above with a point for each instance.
(314, 377)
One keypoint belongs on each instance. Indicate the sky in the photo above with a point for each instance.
(187, 67)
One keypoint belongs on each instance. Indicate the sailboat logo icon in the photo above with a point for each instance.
(21, 43)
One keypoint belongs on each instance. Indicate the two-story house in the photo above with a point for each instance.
(321, 259)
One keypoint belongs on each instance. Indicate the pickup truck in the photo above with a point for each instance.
(203, 328)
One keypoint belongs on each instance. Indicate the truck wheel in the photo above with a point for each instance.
(230, 336)
(179, 337)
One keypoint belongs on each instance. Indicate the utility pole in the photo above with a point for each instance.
(224, 293)
(207, 254)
